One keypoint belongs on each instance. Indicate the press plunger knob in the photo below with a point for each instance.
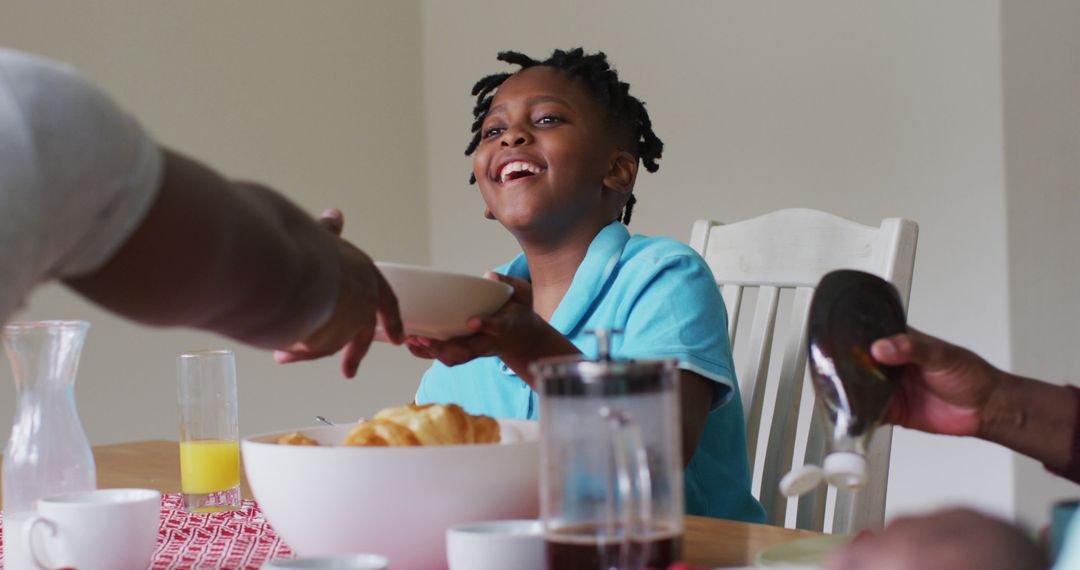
(603, 342)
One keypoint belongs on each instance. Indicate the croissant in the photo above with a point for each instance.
(296, 438)
(379, 432)
(428, 424)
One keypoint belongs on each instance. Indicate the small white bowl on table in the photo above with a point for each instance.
(496, 545)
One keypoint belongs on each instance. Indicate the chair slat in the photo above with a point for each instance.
(752, 378)
(780, 449)
(865, 509)
(733, 301)
(811, 511)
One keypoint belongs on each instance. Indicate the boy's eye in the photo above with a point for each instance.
(491, 132)
(548, 120)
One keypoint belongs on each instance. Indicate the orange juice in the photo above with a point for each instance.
(209, 465)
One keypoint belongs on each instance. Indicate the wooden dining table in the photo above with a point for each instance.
(707, 542)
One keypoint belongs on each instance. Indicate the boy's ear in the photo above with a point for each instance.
(622, 173)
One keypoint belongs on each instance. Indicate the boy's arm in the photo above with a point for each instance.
(241, 260)
(696, 397)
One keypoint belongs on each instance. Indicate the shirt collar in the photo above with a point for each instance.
(600, 262)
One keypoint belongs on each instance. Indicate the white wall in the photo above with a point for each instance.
(865, 109)
(1041, 65)
(320, 100)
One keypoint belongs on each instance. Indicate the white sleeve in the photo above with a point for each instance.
(89, 175)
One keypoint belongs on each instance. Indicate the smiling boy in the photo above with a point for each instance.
(556, 151)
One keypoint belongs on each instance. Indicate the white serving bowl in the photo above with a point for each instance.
(438, 304)
(393, 501)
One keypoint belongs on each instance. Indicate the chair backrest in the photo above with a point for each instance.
(777, 259)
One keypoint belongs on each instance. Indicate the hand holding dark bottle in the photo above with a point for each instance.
(947, 389)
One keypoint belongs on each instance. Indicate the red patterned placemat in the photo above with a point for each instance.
(239, 539)
(231, 539)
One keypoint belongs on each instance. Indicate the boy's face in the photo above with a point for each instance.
(546, 155)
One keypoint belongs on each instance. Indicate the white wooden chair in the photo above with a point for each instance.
(778, 259)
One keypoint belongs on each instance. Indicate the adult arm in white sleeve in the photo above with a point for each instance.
(239, 259)
(165, 240)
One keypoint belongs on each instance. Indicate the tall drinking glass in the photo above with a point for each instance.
(209, 432)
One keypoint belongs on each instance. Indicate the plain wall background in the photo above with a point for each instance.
(956, 115)
(320, 100)
(1042, 147)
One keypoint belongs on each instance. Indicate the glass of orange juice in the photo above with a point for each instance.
(209, 431)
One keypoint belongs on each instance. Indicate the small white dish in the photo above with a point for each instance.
(496, 545)
(338, 562)
(438, 304)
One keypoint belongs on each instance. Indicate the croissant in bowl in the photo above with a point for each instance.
(296, 438)
(428, 424)
(411, 425)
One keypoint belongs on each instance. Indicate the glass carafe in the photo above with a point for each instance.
(611, 463)
(48, 452)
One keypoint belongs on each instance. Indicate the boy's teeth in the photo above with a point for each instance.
(517, 166)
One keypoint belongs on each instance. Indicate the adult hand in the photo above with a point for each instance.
(364, 296)
(945, 388)
(508, 332)
(956, 539)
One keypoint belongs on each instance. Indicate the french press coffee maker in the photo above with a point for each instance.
(611, 475)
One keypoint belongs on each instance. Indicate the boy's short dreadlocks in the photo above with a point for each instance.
(627, 113)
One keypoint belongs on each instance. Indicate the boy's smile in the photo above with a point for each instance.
(517, 169)
(546, 150)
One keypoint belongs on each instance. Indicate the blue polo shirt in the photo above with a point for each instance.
(663, 297)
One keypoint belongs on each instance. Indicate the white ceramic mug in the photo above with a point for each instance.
(496, 545)
(106, 529)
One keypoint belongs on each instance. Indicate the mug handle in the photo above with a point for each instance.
(629, 472)
(28, 537)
